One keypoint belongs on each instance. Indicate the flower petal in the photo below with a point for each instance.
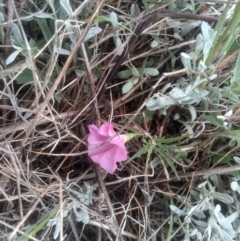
(107, 130)
(103, 151)
(94, 138)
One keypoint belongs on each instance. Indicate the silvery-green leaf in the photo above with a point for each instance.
(201, 224)
(236, 159)
(12, 56)
(192, 54)
(189, 130)
(189, 26)
(177, 93)
(198, 81)
(186, 56)
(52, 221)
(113, 16)
(85, 217)
(182, 81)
(172, 23)
(177, 36)
(203, 184)
(16, 37)
(62, 14)
(78, 213)
(129, 84)
(188, 102)
(193, 112)
(57, 229)
(79, 72)
(196, 211)
(229, 113)
(234, 186)
(194, 232)
(222, 197)
(164, 89)
(25, 77)
(44, 15)
(187, 219)
(67, 7)
(211, 34)
(199, 236)
(151, 71)
(225, 224)
(188, 89)
(208, 231)
(206, 49)
(201, 66)
(154, 43)
(199, 44)
(118, 43)
(165, 101)
(92, 32)
(176, 210)
(205, 27)
(62, 51)
(133, 14)
(124, 74)
(215, 179)
(152, 105)
(51, 4)
(231, 218)
(135, 72)
(199, 95)
(2, 19)
(159, 102)
(212, 77)
(186, 60)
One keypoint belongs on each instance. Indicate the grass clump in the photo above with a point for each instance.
(168, 71)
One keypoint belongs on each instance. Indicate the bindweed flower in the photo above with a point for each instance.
(103, 151)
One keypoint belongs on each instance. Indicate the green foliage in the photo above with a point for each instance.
(221, 219)
(84, 196)
(207, 91)
(233, 135)
(188, 93)
(39, 225)
(223, 39)
(163, 150)
(136, 74)
(214, 120)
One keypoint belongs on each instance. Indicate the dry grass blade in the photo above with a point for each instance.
(165, 74)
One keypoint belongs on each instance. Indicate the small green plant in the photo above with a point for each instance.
(188, 92)
(206, 213)
(83, 197)
(133, 75)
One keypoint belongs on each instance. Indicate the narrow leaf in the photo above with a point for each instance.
(67, 7)
(176, 210)
(92, 32)
(166, 158)
(129, 85)
(142, 151)
(124, 74)
(12, 56)
(151, 71)
(113, 16)
(193, 112)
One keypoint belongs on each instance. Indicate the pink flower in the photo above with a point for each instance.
(109, 153)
